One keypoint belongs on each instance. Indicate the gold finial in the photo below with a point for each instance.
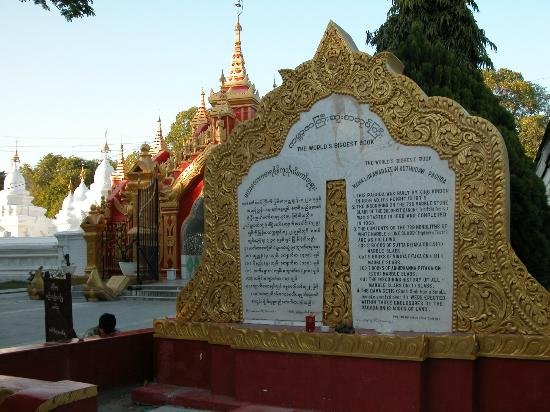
(70, 187)
(239, 5)
(82, 172)
(15, 157)
(274, 84)
(222, 79)
(105, 149)
(120, 166)
(237, 73)
(202, 97)
(145, 149)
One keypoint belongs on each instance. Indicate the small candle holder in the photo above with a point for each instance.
(310, 322)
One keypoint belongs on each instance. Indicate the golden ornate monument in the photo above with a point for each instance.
(498, 308)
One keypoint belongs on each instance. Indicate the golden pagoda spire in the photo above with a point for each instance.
(82, 174)
(105, 149)
(237, 91)
(70, 186)
(15, 157)
(237, 73)
(120, 166)
(201, 115)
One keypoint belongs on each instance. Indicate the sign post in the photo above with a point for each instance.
(58, 307)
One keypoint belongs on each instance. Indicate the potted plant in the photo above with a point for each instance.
(124, 249)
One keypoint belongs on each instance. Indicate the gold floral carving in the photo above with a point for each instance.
(453, 346)
(337, 286)
(169, 252)
(515, 346)
(190, 173)
(415, 347)
(493, 292)
(402, 347)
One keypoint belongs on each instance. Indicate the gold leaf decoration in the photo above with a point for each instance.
(493, 293)
(412, 347)
(337, 285)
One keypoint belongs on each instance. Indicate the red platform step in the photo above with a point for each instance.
(26, 395)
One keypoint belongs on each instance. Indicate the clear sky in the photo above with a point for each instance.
(63, 84)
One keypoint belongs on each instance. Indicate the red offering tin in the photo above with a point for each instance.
(310, 323)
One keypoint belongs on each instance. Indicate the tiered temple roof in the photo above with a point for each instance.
(158, 142)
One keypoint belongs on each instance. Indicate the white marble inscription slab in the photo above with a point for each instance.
(281, 221)
(400, 203)
(400, 215)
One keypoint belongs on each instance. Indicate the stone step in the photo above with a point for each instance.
(151, 292)
(154, 286)
(159, 298)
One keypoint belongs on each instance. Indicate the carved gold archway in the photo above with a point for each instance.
(493, 292)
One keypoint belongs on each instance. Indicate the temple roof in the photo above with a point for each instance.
(158, 142)
(201, 116)
(236, 89)
(120, 166)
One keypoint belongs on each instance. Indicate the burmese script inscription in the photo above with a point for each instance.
(400, 208)
(282, 235)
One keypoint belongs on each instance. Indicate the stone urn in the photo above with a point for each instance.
(128, 268)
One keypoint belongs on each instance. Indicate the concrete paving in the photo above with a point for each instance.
(119, 399)
(22, 323)
(22, 319)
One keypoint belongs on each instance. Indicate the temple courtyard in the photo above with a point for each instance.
(22, 320)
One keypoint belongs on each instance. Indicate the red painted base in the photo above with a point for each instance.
(119, 360)
(34, 395)
(339, 383)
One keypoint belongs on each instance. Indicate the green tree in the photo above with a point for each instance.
(131, 159)
(70, 9)
(528, 102)
(451, 23)
(48, 181)
(443, 50)
(180, 130)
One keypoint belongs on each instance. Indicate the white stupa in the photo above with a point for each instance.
(18, 216)
(68, 219)
(79, 194)
(71, 214)
(76, 205)
(102, 184)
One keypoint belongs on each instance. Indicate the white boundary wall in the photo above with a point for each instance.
(20, 255)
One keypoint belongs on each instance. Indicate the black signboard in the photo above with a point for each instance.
(58, 306)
